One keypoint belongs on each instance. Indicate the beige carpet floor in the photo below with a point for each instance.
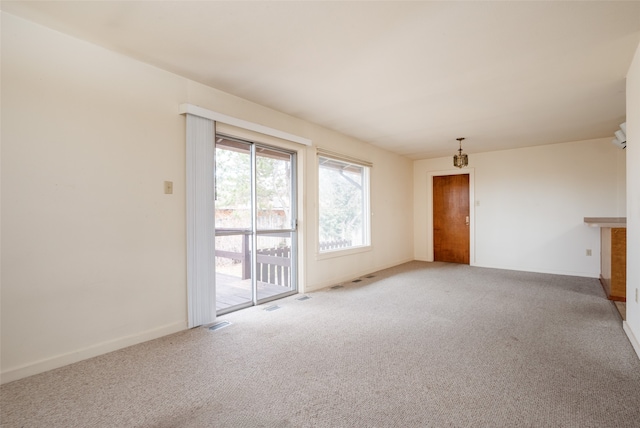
(418, 345)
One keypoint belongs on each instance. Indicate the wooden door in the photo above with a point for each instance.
(451, 218)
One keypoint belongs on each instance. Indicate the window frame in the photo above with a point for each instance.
(366, 205)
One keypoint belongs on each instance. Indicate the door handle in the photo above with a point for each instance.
(466, 221)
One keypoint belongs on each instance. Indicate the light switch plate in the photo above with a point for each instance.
(168, 187)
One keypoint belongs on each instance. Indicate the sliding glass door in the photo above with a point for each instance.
(254, 209)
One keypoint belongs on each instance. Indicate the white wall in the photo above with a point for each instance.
(530, 204)
(93, 251)
(632, 325)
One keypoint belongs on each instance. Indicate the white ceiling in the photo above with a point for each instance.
(407, 76)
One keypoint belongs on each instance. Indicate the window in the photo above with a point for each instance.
(343, 204)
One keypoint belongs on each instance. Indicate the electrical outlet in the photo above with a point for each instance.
(168, 187)
(589, 252)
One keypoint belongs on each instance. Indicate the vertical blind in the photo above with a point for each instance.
(201, 292)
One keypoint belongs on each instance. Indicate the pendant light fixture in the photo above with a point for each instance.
(461, 159)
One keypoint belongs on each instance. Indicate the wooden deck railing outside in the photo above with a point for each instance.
(274, 264)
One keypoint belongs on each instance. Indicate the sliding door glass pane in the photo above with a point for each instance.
(233, 271)
(273, 189)
(233, 185)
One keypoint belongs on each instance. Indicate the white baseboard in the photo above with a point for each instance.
(46, 364)
(536, 270)
(340, 280)
(632, 338)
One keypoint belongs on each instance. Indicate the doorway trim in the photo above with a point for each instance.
(472, 211)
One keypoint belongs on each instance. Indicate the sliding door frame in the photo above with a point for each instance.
(254, 232)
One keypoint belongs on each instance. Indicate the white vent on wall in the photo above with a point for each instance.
(621, 137)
